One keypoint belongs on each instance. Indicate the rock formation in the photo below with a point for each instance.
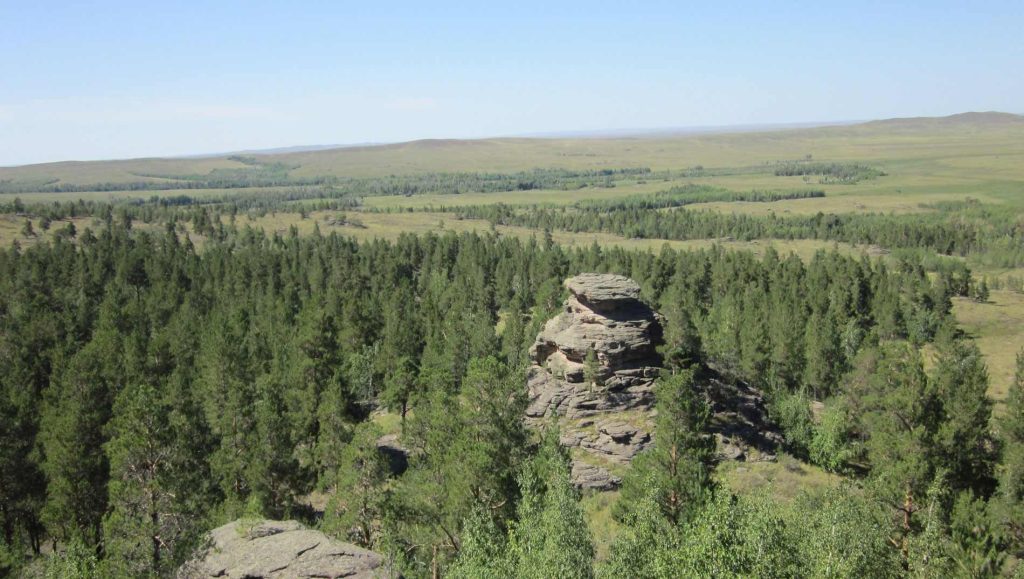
(594, 366)
(279, 549)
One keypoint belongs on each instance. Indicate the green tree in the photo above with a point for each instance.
(78, 407)
(549, 537)
(792, 412)
(682, 345)
(272, 469)
(824, 354)
(754, 354)
(465, 453)
(736, 537)
(399, 387)
(1008, 504)
(901, 418)
(357, 503)
(842, 533)
(645, 548)
(226, 386)
(833, 445)
(154, 515)
(76, 561)
(678, 464)
(960, 383)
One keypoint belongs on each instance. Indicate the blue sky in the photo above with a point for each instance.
(89, 80)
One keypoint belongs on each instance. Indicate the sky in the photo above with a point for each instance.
(98, 80)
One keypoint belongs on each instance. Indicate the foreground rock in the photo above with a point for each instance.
(605, 412)
(280, 549)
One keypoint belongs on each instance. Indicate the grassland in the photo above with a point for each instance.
(970, 155)
(998, 328)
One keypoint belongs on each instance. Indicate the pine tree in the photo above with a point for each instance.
(399, 387)
(154, 516)
(678, 465)
(513, 337)
(466, 450)
(357, 502)
(1008, 504)
(721, 332)
(226, 387)
(963, 437)
(22, 485)
(682, 345)
(901, 418)
(273, 472)
(77, 409)
(824, 354)
(754, 337)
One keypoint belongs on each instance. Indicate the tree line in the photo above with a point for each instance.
(985, 233)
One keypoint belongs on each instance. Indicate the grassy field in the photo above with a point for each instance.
(998, 328)
(969, 155)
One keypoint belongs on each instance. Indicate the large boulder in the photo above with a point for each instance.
(279, 549)
(603, 315)
(607, 421)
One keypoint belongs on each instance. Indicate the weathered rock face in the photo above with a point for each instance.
(280, 549)
(606, 420)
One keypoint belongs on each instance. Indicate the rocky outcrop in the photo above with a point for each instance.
(605, 411)
(280, 549)
(604, 408)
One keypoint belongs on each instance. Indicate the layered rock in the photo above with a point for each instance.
(605, 418)
(608, 420)
(280, 549)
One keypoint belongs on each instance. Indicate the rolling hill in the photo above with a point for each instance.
(966, 135)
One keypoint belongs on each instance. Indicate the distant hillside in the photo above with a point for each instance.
(742, 146)
(987, 118)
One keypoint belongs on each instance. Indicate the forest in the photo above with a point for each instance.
(349, 340)
(154, 389)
